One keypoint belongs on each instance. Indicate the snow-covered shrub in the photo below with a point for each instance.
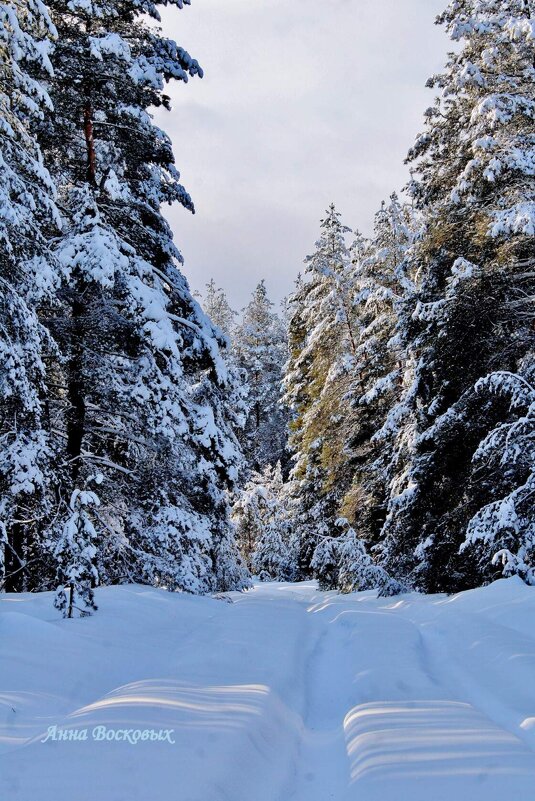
(343, 563)
(325, 562)
(75, 553)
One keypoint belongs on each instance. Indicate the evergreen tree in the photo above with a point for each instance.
(27, 279)
(138, 392)
(260, 347)
(503, 531)
(263, 523)
(380, 285)
(473, 180)
(219, 311)
(322, 343)
(215, 304)
(350, 365)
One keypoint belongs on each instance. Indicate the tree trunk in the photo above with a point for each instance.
(90, 141)
(71, 600)
(76, 388)
(76, 391)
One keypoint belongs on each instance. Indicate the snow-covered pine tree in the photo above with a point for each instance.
(27, 278)
(474, 181)
(322, 345)
(262, 517)
(138, 392)
(380, 285)
(260, 347)
(216, 305)
(363, 378)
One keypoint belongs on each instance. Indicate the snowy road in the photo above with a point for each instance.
(287, 694)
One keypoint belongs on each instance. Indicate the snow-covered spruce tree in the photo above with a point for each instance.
(322, 344)
(260, 348)
(138, 393)
(474, 181)
(262, 517)
(27, 277)
(380, 285)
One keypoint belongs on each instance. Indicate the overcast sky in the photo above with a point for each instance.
(303, 102)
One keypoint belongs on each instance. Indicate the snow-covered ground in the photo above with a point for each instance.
(286, 694)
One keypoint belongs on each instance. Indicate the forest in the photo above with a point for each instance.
(377, 431)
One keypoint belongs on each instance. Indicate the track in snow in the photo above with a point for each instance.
(287, 694)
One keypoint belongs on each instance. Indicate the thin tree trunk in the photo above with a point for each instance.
(90, 141)
(76, 388)
(77, 411)
(71, 600)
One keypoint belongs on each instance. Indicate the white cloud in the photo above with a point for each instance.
(303, 102)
